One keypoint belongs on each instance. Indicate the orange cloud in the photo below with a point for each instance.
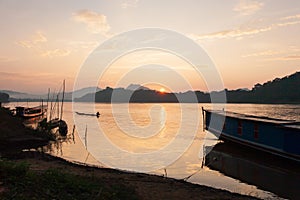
(290, 57)
(129, 3)
(56, 53)
(291, 17)
(263, 53)
(233, 33)
(240, 32)
(36, 40)
(287, 23)
(38, 44)
(248, 7)
(96, 23)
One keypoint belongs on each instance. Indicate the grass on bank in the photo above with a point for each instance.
(18, 181)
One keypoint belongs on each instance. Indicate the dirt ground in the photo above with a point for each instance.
(146, 186)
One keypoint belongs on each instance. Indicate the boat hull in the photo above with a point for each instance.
(29, 113)
(280, 138)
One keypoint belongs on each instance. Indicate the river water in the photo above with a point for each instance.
(164, 139)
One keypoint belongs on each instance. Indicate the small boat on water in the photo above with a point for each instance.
(27, 113)
(89, 114)
(276, 136)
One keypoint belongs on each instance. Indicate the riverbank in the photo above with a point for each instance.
(114, 184)
(14, 136)
(35, 175)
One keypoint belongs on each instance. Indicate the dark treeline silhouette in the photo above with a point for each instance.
(4, 97)
(277, 91)
(284, 90)
(280, 90)
(120, 95)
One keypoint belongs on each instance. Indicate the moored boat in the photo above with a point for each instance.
(58, 122)
(55, 123)
(277, 136)
(27, 112)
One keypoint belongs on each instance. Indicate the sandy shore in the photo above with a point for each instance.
(145, 186)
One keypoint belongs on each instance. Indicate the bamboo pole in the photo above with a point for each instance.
(57, 100)
(48, 104)
(62, 100)
(85, 137)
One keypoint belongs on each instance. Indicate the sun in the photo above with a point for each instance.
(162, 90)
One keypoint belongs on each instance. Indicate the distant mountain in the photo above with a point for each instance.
(3, 98)
(19, 96)
(84, 91)
(134, 87)
(279, 90)
(86, 94)
(81, 92)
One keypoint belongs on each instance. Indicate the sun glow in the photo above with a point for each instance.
(162, 90)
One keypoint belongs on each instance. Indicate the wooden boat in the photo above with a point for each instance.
(27, 113)
(63, 128)
(280, 137)
(54, 123)
(89, 114)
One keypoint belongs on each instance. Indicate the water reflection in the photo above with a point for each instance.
(56, 147)
(188, 166)
(266, 171)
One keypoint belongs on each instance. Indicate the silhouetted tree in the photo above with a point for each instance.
(3, 98)
(280, 90)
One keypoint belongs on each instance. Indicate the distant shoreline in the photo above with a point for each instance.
(278, 91)
(38, 101)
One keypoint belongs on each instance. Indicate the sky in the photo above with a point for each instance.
(249, 41)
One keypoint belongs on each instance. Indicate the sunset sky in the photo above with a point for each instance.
(44, 42)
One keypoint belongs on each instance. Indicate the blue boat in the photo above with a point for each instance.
(276, 136)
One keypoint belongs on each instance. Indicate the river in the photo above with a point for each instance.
(164, 139)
